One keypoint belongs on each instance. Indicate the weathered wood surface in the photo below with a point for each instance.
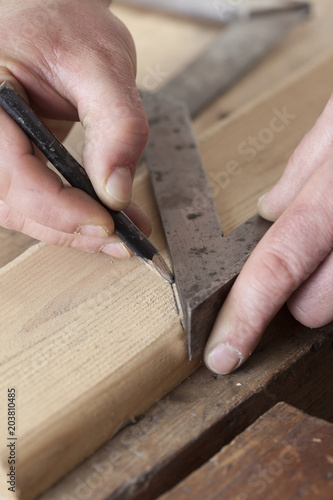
(284, 454)
(289, 347)
(204, 413)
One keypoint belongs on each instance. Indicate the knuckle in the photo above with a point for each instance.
(247, 332)
(132, 128)
(278, 272)
(10, 219)
(126, 41)
(136, 132)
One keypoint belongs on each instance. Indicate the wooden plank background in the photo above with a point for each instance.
(284, 454)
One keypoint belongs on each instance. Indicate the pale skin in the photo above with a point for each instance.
(73, 60)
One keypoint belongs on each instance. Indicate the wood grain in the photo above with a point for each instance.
(284, 454)
(275, 123)
(12, 244)
(192, 423)
(305, 43)
(70, 334)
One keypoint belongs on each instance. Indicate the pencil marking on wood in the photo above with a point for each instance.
(175, 298)
(177, 304)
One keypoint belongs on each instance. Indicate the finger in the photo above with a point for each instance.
(59, 128)
(287, 255)
(139, 218)
(14, 220)
(52, 213)
(46, 101)
(311, 304)
(104, 93)
(37, 192)
(93, 71)
(112, 114)
(312, 151)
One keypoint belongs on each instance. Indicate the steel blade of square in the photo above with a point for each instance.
(205, 264)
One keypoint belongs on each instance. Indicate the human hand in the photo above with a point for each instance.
(293, 262)
(72, 61)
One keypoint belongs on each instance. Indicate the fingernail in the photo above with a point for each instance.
(266, 210)
(117, 250)
(223, 359)
(262, 198)
(119, 185)
(94, 231)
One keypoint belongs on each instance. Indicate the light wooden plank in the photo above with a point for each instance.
(12, 244)
(300, 47)
(72, 326)
(238, 171)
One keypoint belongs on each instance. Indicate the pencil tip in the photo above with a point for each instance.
(161, 267)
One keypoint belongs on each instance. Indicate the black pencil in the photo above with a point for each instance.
(75, 174)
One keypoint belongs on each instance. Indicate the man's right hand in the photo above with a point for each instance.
(72, 60)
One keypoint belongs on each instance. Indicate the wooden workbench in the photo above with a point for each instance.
(292, 364)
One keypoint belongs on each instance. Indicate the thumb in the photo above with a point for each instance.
(314, 149)
(111, 111)
(116, 132)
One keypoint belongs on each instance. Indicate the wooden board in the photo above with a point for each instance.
(188, 426)
(284, 454)
(177, 42)
(305, 43)
(12, 244)
(86, 348)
